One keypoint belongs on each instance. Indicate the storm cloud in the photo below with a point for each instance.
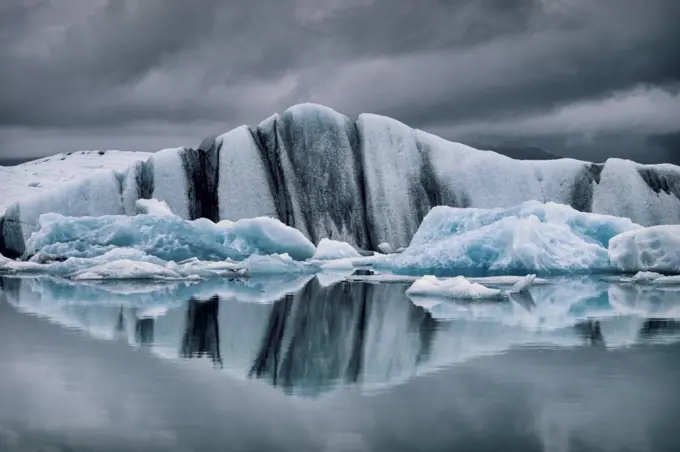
(584, 78)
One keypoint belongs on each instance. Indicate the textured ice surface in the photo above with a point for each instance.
(276, 264)
(385, 247)
(41, 176)
(332, 249)
(458, 287)
(654, 249)
(532, 237)
(125, 269)
(93, 196)
(170, 180)
(647, 277)
(167, 238)
(153, 207)
(240, 161)
(365, 182)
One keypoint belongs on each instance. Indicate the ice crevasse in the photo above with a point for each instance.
(364, 181)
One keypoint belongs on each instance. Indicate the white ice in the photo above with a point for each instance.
(40, 177)
(385, 248)
(459, 288)
(125, 269)
(153, 207)
(655, 249)
(328, 249)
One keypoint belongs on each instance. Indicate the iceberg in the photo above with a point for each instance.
(364, 181)
(532, 237)
(169, 238)
(328, 249)
(655, 249)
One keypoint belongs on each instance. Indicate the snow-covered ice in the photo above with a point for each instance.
(654, 249)
(39, 177)
(328, 249)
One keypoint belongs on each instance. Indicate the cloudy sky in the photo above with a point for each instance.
(583, 78)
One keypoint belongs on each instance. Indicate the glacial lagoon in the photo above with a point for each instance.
(322, 363)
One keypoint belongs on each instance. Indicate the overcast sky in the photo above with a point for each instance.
(583, 78)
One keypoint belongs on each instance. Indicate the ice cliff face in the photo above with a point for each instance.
(364, 181)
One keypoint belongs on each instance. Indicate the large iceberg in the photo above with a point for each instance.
(532, 237)
(169, 238)
(366, 181)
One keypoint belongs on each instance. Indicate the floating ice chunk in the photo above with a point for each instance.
(153, 207)
(125, 269)
(168, 238)
(385, 248)
(328, 249)
(276, 264)
(656, 249)
(204, 269)
(45, 263)
(458, 287)
(265, 235)
(644, 277)
(532, 237)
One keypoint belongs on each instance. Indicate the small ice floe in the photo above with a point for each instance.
(646, 278)
(464, 289)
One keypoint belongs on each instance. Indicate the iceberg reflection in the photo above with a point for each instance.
(308, 338)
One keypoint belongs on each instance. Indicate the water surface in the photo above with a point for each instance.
(316, 363)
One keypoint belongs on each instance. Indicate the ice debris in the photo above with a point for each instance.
(328, 249)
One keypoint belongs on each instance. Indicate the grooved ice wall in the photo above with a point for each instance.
(364, 181)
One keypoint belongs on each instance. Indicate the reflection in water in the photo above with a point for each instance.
(144, 331)
(202, 331)
(306, 338)
(591, 332)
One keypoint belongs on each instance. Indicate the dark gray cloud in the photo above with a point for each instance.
(586, 78)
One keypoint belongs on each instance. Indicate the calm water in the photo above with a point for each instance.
(313, 364)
